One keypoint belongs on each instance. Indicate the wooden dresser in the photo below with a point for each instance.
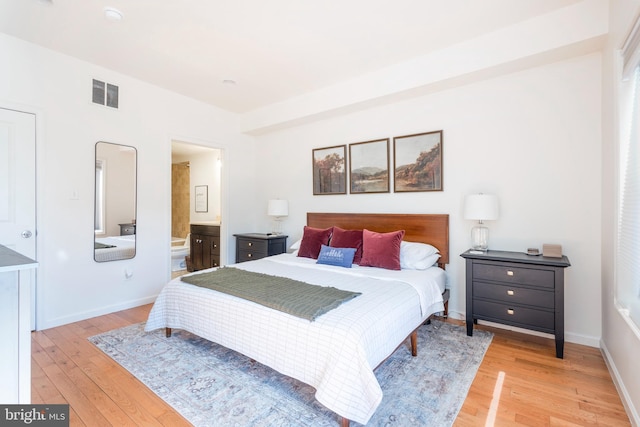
(251, 246)
(516, 289)
(205, 247)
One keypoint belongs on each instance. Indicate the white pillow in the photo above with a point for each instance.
(417, 256)
(296, 245)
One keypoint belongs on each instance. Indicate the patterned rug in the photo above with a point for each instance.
(204, 381)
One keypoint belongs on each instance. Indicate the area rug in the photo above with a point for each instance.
(211, 385)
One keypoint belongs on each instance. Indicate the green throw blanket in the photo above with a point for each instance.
(280, 293)
(97, 245)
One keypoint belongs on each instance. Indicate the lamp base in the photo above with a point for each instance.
(480, 238)
(277, 226)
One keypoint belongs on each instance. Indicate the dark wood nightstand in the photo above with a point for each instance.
(251, 246)
(127, 229)
(517, 289)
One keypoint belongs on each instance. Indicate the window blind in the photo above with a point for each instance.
(628, 250)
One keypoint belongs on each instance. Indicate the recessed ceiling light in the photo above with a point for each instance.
(229, 82)
(112, 14)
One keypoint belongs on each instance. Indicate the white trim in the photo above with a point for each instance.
(634, 417)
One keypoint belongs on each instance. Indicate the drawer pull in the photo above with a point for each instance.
(215, 246)
(510, 293)
(250, 244)
(509, 273)
(249, 255)
(510, 311)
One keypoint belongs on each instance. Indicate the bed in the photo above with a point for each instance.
(337, 352)
(114, 248)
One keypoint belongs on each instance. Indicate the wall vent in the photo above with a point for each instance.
(105, 94)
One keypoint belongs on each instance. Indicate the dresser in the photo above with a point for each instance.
(516, 289)
(251, 246)
(205, 247)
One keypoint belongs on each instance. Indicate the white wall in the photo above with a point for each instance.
(620, 343)
(71, 286)
(532, 138)
(205, 170)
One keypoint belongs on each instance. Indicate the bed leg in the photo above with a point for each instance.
(167, 332)
(414, 343)
(344, 422)
(446, 309)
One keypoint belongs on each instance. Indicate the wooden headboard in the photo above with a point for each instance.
(423, 228)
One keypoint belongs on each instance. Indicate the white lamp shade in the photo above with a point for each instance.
(482, 207)
(278, 207)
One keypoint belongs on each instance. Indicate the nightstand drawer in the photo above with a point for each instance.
(514, 295)
(253, 245)
(515, 315)
(514, 274)
(250, 255)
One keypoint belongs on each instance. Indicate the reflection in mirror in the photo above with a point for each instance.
(115, 202)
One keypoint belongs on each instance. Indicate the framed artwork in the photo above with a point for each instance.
(202, 198)
(369, 166)
(417, 162)
(329, 174)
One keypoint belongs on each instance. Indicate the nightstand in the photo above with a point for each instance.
(516, 289)
(251, 246)
(127, 229)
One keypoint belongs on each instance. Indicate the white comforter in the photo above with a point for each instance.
(337, 352)
(124, 248)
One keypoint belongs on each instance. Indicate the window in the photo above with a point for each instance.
(628, 235)
(99, 208)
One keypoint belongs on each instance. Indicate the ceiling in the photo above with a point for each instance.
(274, 50)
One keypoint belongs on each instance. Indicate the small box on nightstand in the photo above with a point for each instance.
(553, 251)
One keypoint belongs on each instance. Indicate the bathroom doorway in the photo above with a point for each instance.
(195, 195)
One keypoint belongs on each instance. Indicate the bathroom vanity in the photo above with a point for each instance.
(205, 247)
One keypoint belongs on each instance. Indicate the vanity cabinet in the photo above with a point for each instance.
(205, 247)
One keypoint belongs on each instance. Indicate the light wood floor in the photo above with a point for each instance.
(537, 389)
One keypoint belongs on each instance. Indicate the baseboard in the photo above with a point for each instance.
(622, 390)
(76, 317)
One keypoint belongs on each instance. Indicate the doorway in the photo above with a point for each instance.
(195, 195)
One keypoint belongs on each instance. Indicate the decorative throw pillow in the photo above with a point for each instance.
(312, 241)
(381, 249)
(347, 239)
(341, 257)
(417, 256)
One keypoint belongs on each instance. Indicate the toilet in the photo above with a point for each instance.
(178, 254)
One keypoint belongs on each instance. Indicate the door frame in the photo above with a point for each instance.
(224, 171)
(36, 294)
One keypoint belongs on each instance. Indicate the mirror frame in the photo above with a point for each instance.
(116, 238)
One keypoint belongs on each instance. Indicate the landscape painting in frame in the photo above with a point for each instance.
(329, 174)
(418, 162)
(369, 166)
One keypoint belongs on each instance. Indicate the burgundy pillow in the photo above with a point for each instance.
(381, 249)
(347, 239)
(312, 241)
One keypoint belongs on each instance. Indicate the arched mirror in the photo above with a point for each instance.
(115, 202)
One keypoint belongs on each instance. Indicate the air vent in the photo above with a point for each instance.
(105, 94)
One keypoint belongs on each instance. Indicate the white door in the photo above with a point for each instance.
(18, 189)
